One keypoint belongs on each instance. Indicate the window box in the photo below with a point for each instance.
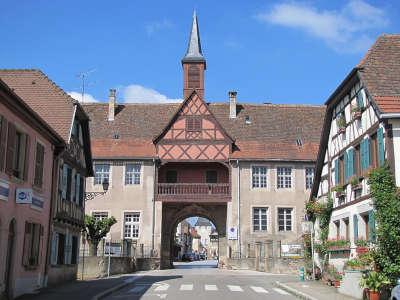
(338, 245)
(357, 115)
(341, 124)
(362, 250)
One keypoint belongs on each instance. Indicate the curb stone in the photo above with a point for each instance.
(115, 288)
(295, 292)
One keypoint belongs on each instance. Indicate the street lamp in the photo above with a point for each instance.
(92, 195)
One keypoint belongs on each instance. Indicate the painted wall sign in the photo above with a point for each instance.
(4, 190)
(37, 203)
(232, 233)
(23, 196)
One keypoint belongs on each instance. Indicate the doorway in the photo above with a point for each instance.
(9, 259)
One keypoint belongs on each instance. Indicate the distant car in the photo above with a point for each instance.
(396, 291)
(185, 257)
(202, 256)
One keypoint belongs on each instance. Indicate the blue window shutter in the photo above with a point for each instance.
(336, 171)
(360, 101)
(350, 158)
(355, 226)
(381, 147)
(362, 154)
(346, 166)
(371, 226)
(367, 153)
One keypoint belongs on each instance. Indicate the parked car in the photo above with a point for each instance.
(203, 256)
(396, 291)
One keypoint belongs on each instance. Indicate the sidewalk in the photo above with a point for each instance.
(80, 290)
(312, 290)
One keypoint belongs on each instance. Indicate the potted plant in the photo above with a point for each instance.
(362, 246)
(356, 111)
(340, 190)
(374, 281)
(355, 183)
(341, 124)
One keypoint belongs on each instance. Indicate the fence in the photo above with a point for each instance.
(120, 248)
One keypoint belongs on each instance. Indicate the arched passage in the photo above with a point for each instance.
(174, 213)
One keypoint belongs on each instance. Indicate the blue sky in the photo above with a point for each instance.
(275, 51)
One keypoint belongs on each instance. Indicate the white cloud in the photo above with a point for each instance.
(133, 93)
(136, 93)
(86, 97)
(153, 27)
(346, 30)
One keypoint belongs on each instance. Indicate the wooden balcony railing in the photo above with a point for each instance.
(194, 192)
(69, 211)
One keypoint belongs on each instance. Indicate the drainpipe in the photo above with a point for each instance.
(238, 206)
(154, 206)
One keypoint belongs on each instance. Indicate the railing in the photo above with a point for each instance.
(193, 189)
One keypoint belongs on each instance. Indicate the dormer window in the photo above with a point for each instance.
(247, 120)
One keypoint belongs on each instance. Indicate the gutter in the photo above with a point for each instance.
(389, 116)
(154, 206)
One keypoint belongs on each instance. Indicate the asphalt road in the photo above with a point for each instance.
(201, 280)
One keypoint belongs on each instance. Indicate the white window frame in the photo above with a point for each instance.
(268, 216)
(132, 223)
(305, 177)
(109, 173)
(140, 164)
(292, 215)
(259, 176)
(100, 212)
(292, 177)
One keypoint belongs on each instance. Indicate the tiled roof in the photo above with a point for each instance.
(272, 133)
(39, 92)
(380, 71)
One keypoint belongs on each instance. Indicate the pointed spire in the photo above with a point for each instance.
(193, 52)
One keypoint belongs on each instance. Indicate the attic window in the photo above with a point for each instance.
(193, 123)
(299, 142)
(116, 136)
(247, 120)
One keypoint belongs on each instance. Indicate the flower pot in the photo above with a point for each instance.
(361, 250)
(356, 115)
(342, 130)
(337, 284)
(373, 295)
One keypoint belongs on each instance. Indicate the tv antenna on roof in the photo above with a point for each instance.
(83, 76)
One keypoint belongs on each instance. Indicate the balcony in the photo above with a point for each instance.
(69, 211)
(193, 192)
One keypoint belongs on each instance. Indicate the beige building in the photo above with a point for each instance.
(247, 168)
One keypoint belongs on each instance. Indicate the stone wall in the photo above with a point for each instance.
(96, 266)
(282, 265)
(144, 264)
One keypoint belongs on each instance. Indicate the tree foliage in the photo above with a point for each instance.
(97, 229)
(386, 200)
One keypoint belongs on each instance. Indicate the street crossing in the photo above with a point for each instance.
(165, 287)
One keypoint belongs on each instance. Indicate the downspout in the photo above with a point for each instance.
(238, 206)
(154, 207)
(54, 188)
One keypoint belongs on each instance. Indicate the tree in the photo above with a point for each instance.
(96, 229)
(386, 201)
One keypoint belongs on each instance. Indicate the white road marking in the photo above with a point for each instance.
(186, 287)
(259, 289)
(210, 287)
(235, 288)
(162, 288)
(138, 288)
(280, 291)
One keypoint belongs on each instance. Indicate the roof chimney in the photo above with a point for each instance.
(232, 104)
(112, 103)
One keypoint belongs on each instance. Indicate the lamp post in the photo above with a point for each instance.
(92, 195)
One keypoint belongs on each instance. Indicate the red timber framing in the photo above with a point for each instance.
(193, 134)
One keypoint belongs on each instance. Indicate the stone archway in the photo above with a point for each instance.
(173, 213)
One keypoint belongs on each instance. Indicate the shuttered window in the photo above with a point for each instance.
(193, 123)
(39, 162)
(32, 240)
(381, 147)
(3, 141)
(360, 100)
(365, 154)
(371, 226)
(350, 163)
(346, 165)
(337, 172)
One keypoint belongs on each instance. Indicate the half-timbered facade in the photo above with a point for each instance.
(245, 167)
(69, 169)
(359, 134)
